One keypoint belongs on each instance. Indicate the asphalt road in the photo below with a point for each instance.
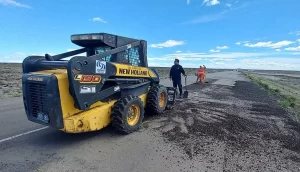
(105, 150)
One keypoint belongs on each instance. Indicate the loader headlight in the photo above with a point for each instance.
(43, 117)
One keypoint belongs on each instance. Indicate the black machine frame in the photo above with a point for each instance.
(110, 87)
(117, 44)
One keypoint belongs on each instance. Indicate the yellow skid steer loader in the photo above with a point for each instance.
(110, 84)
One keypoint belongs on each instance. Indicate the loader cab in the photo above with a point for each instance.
(98, 50)
(102, 42)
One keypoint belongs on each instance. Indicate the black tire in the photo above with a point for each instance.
(153, 106)
(120, 113)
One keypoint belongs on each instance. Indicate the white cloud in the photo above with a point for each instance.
(295, 33)
(155, 64)
(298, 40)
(281, 44)
(293, 48)
(222, 48)
(238, 43)
(98, 19)
(219, 63)
(220, 59)
(269, 63)
(206, 56)
(211, 60)
(188, 2)
(178, 51)
(218, 49)
(210, 2)
(278, 50)
(14, 3)
(214, 51)
(229, 61)
(228, 5)
(269, 44)
(169, 43)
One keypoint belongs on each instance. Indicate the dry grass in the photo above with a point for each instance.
(10, 80)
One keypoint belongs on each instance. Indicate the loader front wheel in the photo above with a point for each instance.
(157, 100)
(127, 114)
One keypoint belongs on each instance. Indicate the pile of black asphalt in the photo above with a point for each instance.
(234, 128)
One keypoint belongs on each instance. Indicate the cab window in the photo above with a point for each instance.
(101, 50)
(133, 56)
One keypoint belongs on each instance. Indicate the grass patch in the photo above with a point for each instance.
(289, 102)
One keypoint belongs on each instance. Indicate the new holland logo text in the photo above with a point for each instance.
(88, 78)
(133, 72)
(35, 79)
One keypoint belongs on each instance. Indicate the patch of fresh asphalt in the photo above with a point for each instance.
(227, 128)
(207, 132)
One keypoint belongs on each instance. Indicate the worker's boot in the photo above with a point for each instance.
(176, 92)
(180, 93)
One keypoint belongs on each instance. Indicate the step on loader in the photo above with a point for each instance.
(110, 84)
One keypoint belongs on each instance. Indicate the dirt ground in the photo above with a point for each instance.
(236, 128)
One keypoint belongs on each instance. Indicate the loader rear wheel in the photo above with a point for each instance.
(127, 114)
(157, 100)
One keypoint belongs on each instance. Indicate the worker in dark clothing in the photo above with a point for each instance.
(175, 75)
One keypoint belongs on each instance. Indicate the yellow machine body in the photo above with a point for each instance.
(98, 116)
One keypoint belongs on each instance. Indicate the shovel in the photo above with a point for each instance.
(186, 93)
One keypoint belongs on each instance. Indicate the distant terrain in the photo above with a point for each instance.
(283, 85)
(11, 74)
(10, 80)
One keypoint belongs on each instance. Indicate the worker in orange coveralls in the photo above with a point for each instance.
(201, 74)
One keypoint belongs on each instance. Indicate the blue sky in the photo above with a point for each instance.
(257, 34)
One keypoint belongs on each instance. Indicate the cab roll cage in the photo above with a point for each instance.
(118, 45)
